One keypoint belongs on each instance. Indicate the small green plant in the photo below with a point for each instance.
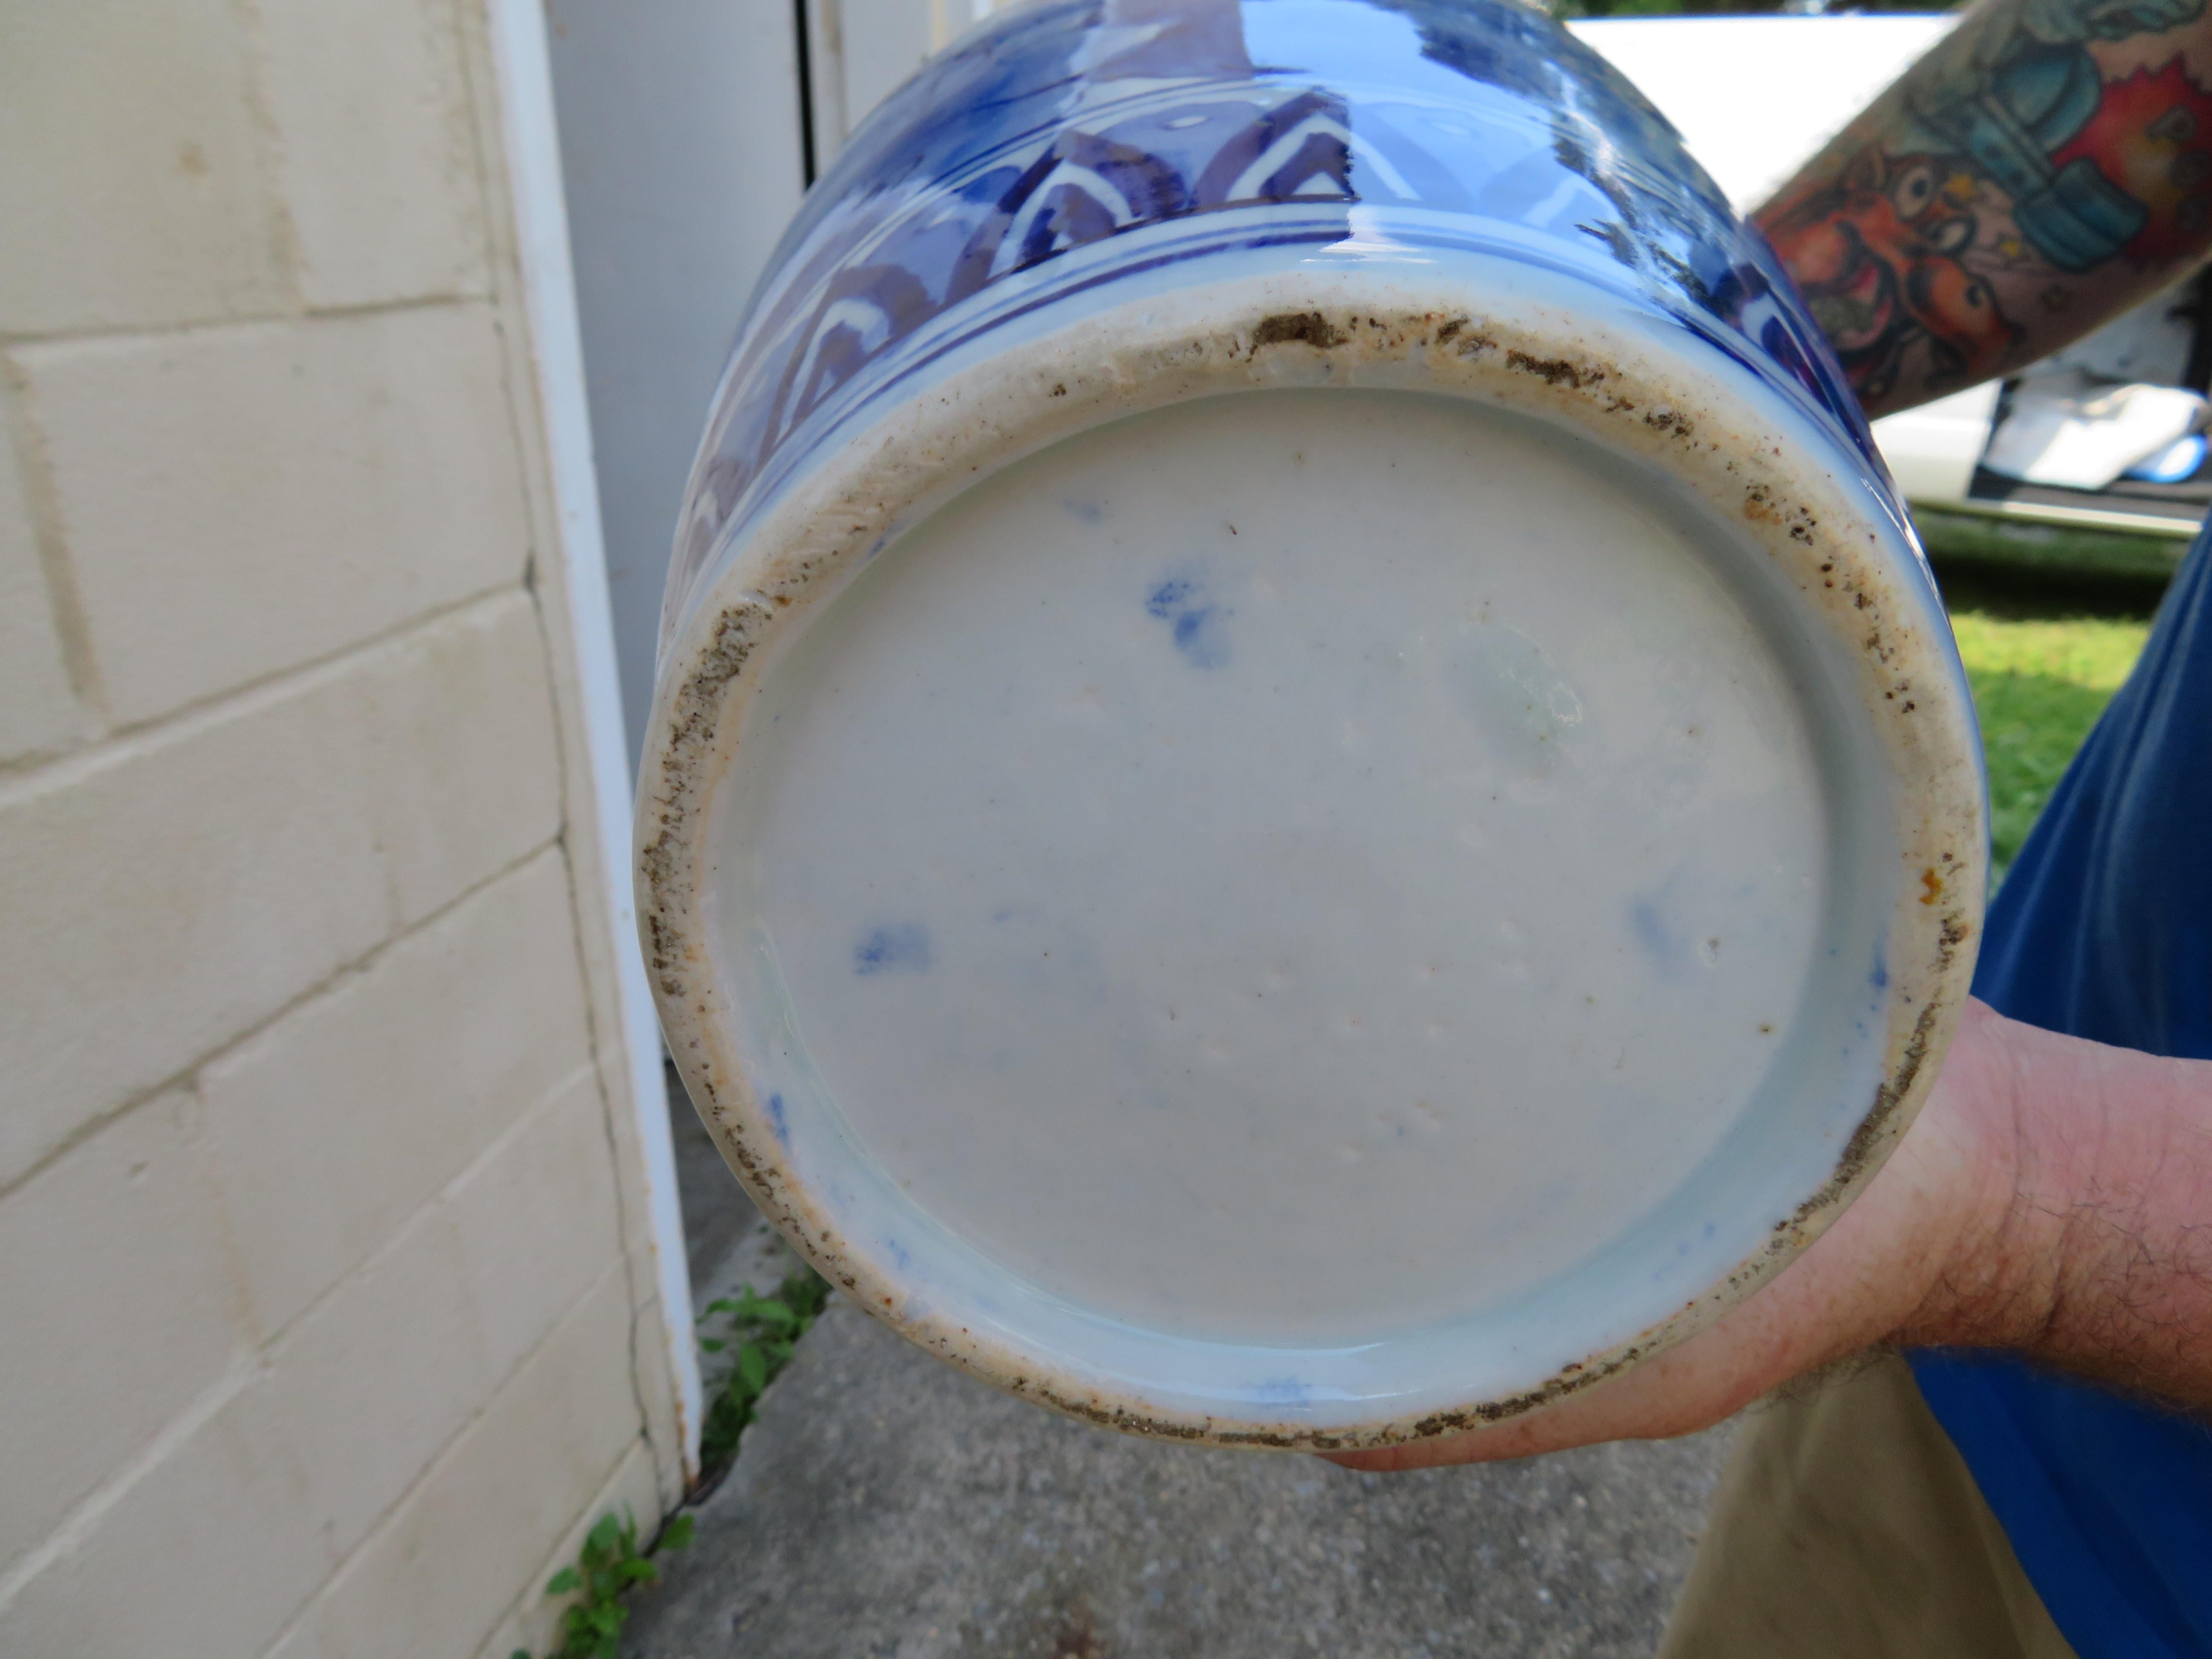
(765, 1330)
(610, 1564)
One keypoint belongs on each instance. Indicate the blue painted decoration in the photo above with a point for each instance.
(1135, 133)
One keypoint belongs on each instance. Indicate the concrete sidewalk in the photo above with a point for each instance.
(886, 1506)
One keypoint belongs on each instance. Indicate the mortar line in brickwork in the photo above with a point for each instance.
(83, 1519)
(31, 775)
(186, 1076)
(331, 1584)
(192, 327)
(19, 429)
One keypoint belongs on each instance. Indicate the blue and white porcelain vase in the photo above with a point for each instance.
(1306, 786)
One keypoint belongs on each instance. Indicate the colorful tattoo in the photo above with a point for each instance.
(1881, 256)
(2047, 151)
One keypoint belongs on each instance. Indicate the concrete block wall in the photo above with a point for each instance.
(326, 1271)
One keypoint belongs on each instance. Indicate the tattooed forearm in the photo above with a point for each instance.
(2049, 164)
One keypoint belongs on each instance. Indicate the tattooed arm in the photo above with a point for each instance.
(2045, 168)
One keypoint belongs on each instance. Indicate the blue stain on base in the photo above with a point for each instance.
(1291, 1392)
(1879, 978)
(902, 945)
(1686, 1245)
(776, 1122)
(1199, 625)
(1169, 597)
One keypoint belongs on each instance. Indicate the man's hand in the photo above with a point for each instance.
(2054, 1197)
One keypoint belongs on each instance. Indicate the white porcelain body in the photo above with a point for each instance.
(849, 938)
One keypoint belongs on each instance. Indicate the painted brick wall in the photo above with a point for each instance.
(325, 1277)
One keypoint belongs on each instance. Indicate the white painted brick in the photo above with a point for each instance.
(223, 1542)
(439, 1573)
(131, 186)
(340, 1119)
(163, 896)
(388, 1369)
(376, 155)
(465, 729)
(188, 1559)
(119, 1309)
(37, 711)
(240, 500)
(155, 905)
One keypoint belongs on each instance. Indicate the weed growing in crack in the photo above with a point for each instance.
(765, 1330)
(610, 1564)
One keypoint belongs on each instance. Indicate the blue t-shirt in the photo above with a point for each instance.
(2103, 929)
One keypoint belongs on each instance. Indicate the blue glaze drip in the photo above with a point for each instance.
(1197, 623)
(1168, 597)
(902, 945)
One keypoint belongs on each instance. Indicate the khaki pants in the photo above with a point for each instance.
(1847, 1526)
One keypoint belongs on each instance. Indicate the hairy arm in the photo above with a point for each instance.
(2097, 1258)
(2054, 1200)
(2046, 166)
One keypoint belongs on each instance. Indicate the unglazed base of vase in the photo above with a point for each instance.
(1318, 905)
(1233, 874)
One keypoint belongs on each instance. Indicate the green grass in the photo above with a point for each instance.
(2039, 681)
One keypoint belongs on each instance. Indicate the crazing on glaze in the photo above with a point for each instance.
(1311, 842)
